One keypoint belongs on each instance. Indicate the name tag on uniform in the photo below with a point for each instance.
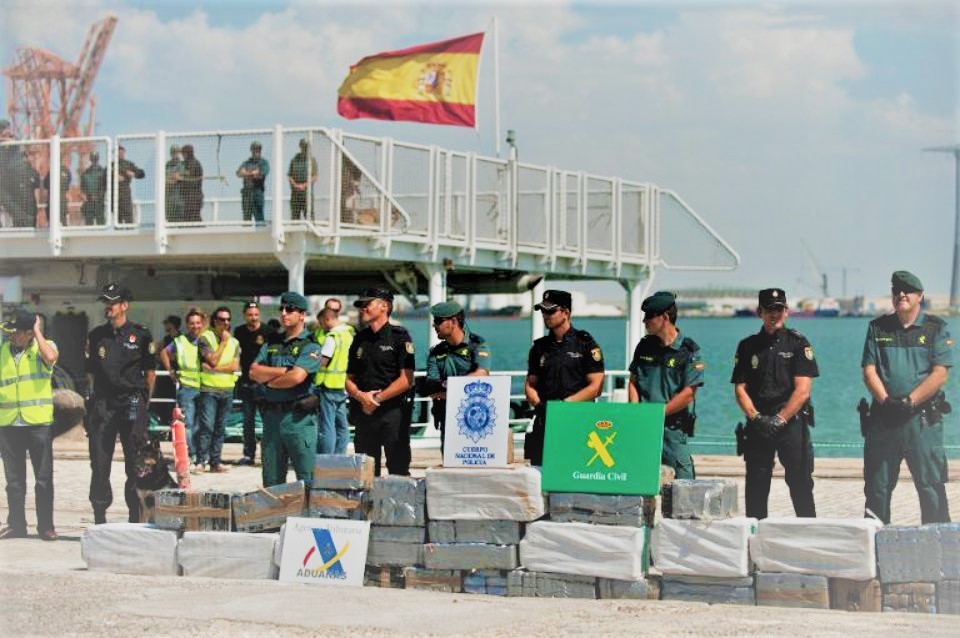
(574, 355)
(785, 355)
(385, 348)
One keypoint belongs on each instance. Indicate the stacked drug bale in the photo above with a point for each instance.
(398, 529)
(920, 568)
(800, 558)
(341, 487)
(182, 510)
(476, 523)
(266, 509)
(130, 548)
(701, 547)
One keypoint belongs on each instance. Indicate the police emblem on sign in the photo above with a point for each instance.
(477, 412)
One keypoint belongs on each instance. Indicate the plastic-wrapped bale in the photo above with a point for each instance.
(278, 547)
(469, 556)
(718, 548)
(181, 510)
(484, 494)
(603, 509)
(399, 500)
(384, 553)
(855, 595)
(589, 550)
(702, 499)
(228, 555)
(948, 597)
(130, 548)
(389, 576)
(529, 584)
(644, 589)
(343, 472)
(793, 590)
(704, 589)
(833, 547)
(268, 508)
(908, 554)
(492, 532)
(448, 580)
(949, 534)
(492, 582)
(920, 598)
(352, 505)
(398, 534)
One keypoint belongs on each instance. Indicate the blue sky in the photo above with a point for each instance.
(779, 123)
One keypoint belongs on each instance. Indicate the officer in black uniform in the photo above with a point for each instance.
(121, 370)
(773, 373)
(565, 365)
(379, 383)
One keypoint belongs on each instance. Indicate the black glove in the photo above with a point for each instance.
(767, 426)
(898, 408)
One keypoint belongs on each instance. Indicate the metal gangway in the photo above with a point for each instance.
(417, 218)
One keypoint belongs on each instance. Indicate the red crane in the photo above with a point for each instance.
(47, 95)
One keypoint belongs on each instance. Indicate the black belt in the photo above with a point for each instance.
(280, 405)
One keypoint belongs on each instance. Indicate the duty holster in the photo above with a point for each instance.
(307, 403)
(685, 421)
(741, 433)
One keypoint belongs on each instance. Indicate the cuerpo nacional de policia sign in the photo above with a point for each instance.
(477, 422)
(603, 448)
(324, 551)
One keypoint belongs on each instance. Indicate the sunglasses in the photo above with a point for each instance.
(898, 291)
(648, 317)
(222, 319)
(550, 311)
(439, 320)
(290, 309)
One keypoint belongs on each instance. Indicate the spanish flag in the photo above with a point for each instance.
(432, 83)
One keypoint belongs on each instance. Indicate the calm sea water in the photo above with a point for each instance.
(837, 342)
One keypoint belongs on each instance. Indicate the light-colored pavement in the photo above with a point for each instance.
(45, 589)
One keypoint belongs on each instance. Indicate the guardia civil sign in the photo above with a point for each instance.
(603, 448)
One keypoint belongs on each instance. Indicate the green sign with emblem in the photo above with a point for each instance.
(603, 448)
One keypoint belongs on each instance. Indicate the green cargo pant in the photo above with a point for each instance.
(288, 434)
(921, 445)
(676, 453)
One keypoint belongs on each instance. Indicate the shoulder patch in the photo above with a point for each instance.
(808, 353)
(596, 354)
(152, 348)
(408, 346)
(699, 365)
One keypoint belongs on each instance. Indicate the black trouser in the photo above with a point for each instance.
(439, 412)
(795, 450)
(15, 443)
(251, 393)
(126, 416)
(387, 428)
(533, 442)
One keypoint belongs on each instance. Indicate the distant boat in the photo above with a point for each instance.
(822, 307)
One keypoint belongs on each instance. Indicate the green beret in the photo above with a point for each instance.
(906, 280)
(294, 300)
(658, 302)
(446, 309)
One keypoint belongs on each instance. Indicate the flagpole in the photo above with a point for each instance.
(496, 84)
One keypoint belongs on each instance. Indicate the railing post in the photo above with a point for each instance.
(536, 319)
(53, 197)
(278, 173)
(160, 214)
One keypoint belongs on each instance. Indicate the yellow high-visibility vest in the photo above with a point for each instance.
(220, 380)
(25, 387)
(188, 361)
(334, 375)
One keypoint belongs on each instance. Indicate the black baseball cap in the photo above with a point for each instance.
(370, 294)
(20, 319)
(251, 304)
(770, 298)
(113, 292)
(553, 299)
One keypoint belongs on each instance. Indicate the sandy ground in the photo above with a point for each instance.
(45, 589)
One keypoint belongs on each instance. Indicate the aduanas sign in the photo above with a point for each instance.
(603, 448)
(324, 551)
(477, 422)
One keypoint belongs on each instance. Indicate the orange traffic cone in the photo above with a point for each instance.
(181, 455)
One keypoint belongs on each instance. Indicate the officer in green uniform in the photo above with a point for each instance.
(286, 370)
(93, 185)
(667, 369)
(906, 358)
(460, 353)
(301, 175)
(253, 171)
